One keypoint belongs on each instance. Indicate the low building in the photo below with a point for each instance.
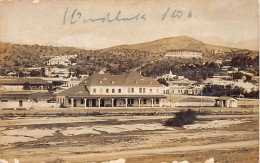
(183, 53)
(73, 82)
(180, 86)
(15, 100)
(105, 90)
(18, 84)
(226, 102)
(24, 100)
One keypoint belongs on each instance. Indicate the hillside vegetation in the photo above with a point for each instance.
(116, 60)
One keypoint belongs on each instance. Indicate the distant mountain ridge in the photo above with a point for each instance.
(246, 44)
(179, 42)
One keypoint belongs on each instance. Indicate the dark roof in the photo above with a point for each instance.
(79, 90)
(132, 78)
(22, 81)
(15, 94)
(27, 94)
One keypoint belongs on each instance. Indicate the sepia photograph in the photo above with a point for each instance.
(129, 81)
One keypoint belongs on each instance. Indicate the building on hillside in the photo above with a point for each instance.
(18, 84)
(73, 82)
(57, 72)
(226, 102)
(180, 86)
(59, 61)
(168, 76)
(195, 89)
(183, 53)
(105, 90)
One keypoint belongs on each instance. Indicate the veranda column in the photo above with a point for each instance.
(152, 102)
(126, 102)
(72, 102)
(112, 102)
(85, 102)
(99, 102)
(139, 102)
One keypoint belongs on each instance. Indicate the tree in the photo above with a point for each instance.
(35, 73)
(26, 86)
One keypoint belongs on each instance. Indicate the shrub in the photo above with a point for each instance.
(182, 118)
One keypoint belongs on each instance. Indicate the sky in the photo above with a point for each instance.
(61, 22)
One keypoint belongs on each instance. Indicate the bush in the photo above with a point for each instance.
(182, 118)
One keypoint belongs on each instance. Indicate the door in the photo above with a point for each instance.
(114, 102)
(94, 103)
(87, 103)
(102, 103)
(75, 102)
(20, 103)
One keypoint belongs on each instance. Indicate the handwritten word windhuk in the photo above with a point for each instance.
(77, 16)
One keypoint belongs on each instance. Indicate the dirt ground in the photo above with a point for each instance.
(226, 138)
(46, 135)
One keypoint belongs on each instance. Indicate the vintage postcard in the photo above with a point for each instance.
(129, 81)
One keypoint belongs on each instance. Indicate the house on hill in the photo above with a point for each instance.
(105, 90)
(59, 61)
(184, 53)
(226, 102)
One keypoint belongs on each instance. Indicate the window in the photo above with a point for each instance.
(94, 90)
(119, 90)
(112, 82)
(143, 90)
(82, 101)
(157, 101)
(140, 90)
(133, 90)
(113, 90)
(107, 90)
(101, 90)
(151, 90)
(144, 101)
(129, 90)
(69, 101)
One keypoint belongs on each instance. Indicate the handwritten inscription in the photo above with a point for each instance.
(77, 16)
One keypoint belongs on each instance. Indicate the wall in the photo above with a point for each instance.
(15, 103)
(124, 90)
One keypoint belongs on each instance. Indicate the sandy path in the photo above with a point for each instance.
(125, 154)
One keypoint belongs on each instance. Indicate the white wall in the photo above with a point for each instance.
(124, 90)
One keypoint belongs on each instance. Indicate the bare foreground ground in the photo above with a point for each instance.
(226, 138)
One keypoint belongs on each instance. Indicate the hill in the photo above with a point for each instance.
(116, 59)
(180, 42)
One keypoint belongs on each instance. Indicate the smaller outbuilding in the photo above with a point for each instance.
(226, 102)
